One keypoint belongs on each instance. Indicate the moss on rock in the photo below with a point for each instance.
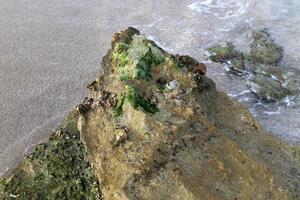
(264, 50)
(227, 54)
(268, 89)
(134, 60)
(138, 101)
(58, 169)
(118, 109)
(259, 68)
(269, 83)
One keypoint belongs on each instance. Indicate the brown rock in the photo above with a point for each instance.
(201, 68)
(207, 147)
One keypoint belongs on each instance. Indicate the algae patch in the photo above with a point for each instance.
(136, 101)
(118, 109)
(264, 50)
(227, 54)
(58, 169)
(135, 59)
(260, 68)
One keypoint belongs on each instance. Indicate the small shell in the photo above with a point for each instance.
(172, 85)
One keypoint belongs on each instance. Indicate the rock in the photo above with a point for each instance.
(204, 83)
(185, 61)
(201, 69)
(264, 50)
(269, 83)
(172, 85)
(227, 54)
(198, 144)
(120, 137)
(58, 169)
(259, 69)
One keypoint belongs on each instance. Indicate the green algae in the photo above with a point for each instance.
(227, 54)
(58, 169)
(259, 67)
(118, 110)
(135, 59)
(269, 89)
(222, 53)
(137, 101)
(264, 50)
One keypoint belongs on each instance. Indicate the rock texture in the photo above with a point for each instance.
(156, 128)
(261, 68)
(58, 169)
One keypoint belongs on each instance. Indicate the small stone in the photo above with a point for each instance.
(201, 69)
(92, 86)
(82, 108)
(172, 85)
(112, 102)
(120, 137)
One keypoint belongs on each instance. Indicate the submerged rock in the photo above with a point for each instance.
(185, 140)
(264, 50)
(227, 54)
(269, 83)
(259, 68)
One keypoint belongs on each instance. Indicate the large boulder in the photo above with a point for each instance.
(155, 127)
(158, 131)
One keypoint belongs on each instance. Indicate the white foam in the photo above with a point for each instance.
(277, 112)
(220, 8)
(240, 93)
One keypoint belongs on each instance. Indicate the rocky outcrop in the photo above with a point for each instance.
(261, 68)
(157, 128)
(58, 169)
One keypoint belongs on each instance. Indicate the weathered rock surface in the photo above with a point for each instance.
(172, 135)
(155, 127)
(58, 169)
(264, 50)
(261, 68)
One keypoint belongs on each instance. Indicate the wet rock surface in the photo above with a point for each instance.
(58, 169)
(262, 68)
(264, 50)
(155, 127)
(176, 137)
